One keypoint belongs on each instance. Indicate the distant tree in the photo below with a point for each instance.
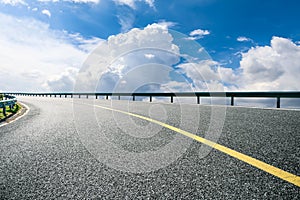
(1, 97)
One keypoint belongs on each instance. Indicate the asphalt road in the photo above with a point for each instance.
(73, 150)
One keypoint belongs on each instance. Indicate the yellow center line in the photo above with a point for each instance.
(289, 177)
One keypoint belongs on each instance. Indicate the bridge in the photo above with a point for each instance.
(55, 151)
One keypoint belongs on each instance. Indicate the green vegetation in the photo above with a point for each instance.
(1, 97)
(10, 112)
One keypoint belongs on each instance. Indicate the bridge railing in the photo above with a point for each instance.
(232, 95)
(8, 101)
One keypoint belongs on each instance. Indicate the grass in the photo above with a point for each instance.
(10, 112)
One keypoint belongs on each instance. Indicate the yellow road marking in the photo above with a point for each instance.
(289, 177)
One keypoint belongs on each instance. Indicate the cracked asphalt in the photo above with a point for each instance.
(57, 151)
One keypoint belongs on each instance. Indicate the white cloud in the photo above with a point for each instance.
(34, 9)
(13, 2)
(132, 3)
(262, 68)
(150, 3)
(63, 82)
(204, 74)
(126, 15)
(46, 12)
(126, 21)
(134, 46)
(243, 39)
(149, 55)
(166, 24)
(274, 67)
(153, 35)
(197, 34)
(32, 53)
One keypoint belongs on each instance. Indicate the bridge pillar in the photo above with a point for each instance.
(278, 102)
(232, 101)
(150, 98)
(171, 99)
(133, 98)
(198, 99)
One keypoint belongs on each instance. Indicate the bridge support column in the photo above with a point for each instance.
(106, 97)
(198, 99)
(119, 97)
(278, 102)
(232, 101)
(150, 98)
(171, 99)
(133, 98)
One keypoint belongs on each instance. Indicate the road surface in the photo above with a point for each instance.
(52, 152)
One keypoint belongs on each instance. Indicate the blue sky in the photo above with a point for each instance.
(226, 20)
(243, 37)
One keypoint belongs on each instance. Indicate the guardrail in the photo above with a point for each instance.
(9, 101)
(198, 95)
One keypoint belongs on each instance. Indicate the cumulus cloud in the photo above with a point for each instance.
(154, 43)
(46, 12)
(204, 75)
(243, 39)
(274, 67)
(31, 53)
(198, 33)
(63, 82)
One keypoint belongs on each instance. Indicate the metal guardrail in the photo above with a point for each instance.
(198, 95)
(9, 101)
